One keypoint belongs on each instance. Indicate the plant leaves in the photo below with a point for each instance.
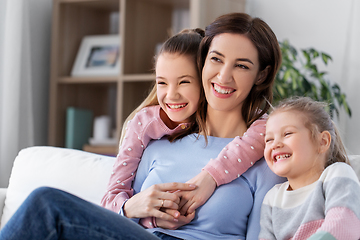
(299, 76)
(325, 57)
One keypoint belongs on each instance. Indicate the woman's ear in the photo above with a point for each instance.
(262, 75)
(325, 141)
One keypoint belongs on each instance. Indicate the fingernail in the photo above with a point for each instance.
(176, 220)
(192, 185)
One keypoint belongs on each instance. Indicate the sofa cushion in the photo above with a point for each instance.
(355, 163)
(81, 173)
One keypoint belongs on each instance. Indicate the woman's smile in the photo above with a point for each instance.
(222, 92)
(230, 71)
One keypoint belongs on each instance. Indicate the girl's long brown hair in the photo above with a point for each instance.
(186, 43)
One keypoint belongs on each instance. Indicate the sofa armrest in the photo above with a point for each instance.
(2, 200)
(83, 174)
(355, 163)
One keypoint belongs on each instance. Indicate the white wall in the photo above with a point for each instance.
(25, 30)
(40, 36)
(331, 26)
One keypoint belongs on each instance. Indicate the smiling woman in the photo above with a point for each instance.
(226, 75)
(240, 52)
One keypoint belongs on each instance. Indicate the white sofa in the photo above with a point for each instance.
(81, 173)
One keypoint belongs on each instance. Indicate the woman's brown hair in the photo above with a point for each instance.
(257, 102)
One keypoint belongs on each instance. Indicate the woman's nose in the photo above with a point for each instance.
(225, 74)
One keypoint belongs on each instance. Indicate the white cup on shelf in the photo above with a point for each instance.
(102, 128)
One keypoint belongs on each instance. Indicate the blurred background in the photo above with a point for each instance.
(329, 26)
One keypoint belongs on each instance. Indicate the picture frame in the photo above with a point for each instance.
(98, 56)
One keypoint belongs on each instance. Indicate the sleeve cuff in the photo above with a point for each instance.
(121, 212)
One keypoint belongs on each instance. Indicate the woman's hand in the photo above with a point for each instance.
(191, 200)
(175, 223)
(148, 202)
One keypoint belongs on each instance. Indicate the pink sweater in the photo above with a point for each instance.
(232, 161)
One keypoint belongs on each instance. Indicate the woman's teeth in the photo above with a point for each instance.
(222, 90)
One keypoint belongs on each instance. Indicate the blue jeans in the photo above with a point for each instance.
(54, 214)
(164, 236)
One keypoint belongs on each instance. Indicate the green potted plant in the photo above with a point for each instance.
(299, 76)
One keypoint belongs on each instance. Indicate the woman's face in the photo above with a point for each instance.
(178, 86)
(231, 69)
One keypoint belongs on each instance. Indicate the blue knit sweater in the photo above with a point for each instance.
(232, 212)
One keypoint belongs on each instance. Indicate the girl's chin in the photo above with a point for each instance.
(174, 117)
(279, 170)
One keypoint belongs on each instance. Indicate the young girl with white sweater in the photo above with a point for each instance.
(321, 198)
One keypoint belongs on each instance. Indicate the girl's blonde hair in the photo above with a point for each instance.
(186, 43)
(317, 120)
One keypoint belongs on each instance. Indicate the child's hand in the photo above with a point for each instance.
(147, 203)
(191, 200)
(174, 224)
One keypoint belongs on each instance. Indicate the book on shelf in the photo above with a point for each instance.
(79, 123)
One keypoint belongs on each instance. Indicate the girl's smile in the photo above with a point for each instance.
(176, 107)
(178, 86)
(278, 157)
(290, 150)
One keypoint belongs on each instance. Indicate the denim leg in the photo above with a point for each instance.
(164, 236)
(54, 214)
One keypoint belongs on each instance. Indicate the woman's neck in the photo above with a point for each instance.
(225, 125)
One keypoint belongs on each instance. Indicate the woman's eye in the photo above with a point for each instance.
(288, 133)
(242, 66)
(268, 140)
(215, 59)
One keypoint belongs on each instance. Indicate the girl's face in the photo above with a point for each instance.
(178, 86)
(290, 151)
(231, 69)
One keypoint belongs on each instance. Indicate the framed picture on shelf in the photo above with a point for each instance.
(98, 56)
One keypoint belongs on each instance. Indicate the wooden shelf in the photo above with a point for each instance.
(105, 150)
(138, 77)
(112, 5)
(77, 80)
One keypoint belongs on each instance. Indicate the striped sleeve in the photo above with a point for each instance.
(342, 209)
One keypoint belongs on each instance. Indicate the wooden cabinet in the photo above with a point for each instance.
(142, 24)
